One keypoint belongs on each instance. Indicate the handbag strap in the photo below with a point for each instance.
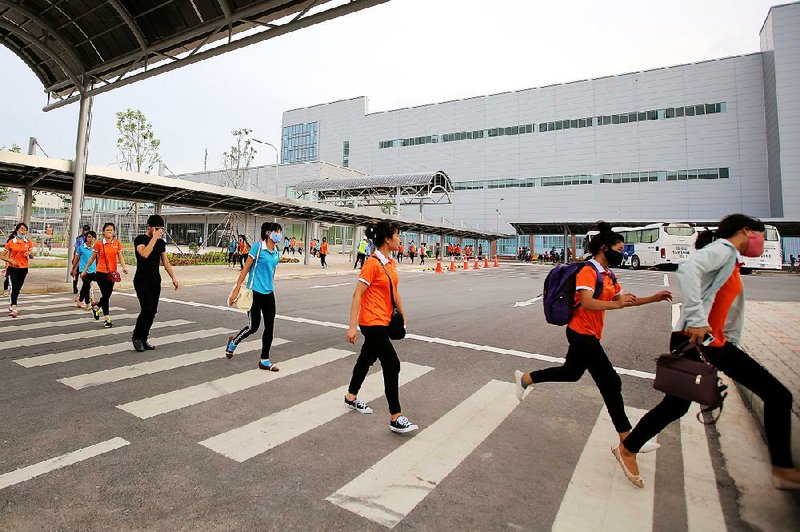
(253, 268)
(391, 285)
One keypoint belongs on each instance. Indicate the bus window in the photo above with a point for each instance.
(771, 234)
(678, 231)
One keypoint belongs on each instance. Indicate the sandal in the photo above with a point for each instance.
(636, 480)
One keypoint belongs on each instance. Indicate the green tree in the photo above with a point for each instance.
(4, 190)
(137, 145)
(236, 161)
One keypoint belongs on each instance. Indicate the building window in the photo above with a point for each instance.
(299, 142)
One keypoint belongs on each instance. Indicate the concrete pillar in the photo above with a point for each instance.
(566, 237)
(79, 169)
(574, 246)
(493, 248)
(306, 240)
(532, 238)
(27, 206)
(158, 207)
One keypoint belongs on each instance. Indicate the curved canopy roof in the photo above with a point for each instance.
(92, 46)
(378, 190)
(434, 179)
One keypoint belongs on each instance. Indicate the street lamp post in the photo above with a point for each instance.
(276, 161)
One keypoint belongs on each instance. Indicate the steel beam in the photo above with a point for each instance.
(81, 155)
(130, 23)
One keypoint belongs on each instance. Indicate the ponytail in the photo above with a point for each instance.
(380, 232)
(606, 237)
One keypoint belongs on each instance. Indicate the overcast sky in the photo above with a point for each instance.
(399, 54)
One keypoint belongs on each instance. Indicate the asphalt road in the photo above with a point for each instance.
(480, 461)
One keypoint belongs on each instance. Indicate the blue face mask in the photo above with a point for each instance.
(276, 237)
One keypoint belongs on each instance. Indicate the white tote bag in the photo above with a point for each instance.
(244, 300)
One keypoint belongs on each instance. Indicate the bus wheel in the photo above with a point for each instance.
(635, 263)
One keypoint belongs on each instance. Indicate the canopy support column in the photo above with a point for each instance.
(306, 241)
(564, 248)
(81, 156)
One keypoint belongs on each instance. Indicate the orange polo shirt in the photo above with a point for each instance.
(590, 322)
(18, 247)
(107, 255)
(323, 249)
(376, 303)
(725, 297)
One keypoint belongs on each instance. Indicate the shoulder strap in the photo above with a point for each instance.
(391, 285)
(253, 268)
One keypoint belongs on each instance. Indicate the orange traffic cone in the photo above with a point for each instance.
(486, 261)
(439, 265)
(477, 265)
(452, 264)
(466, 263)
(495, 262)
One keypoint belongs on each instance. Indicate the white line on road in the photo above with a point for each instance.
(27, 297)
(666, 280)
(260, 436)
(72, 312)
(676, 314)
(99, 378)
(528, 302)
(80, 335)
(598, 496)
(393, 487)
(177, 399)
(703, 507)
(25, 308)
(332, 285)
(428, 339)
(34, 470)
(62, 323)
(81, 353)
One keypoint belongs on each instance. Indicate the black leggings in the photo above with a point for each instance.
(147, 291)
(586, 353)
(322, 259)
(86, 288)
(378, 346)
(262, 304)
(75, 283)
(106, 288)
(740, 367)
(17, 276)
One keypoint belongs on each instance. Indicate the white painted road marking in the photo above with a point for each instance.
(703, 507)
(528, 302)
(74, 311)
(260, 436)
(676, 314)
(81, 353)
(62, 323)
(25, 308)
(599, 497)
(99, 378)
(81, 335)
(32, 471)
(428, 339)
(393, 487)
(177, 399)
(333, 285)
(666, 280)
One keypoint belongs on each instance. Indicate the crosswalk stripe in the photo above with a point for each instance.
(703, 507)
(62, 323)
(260, 436)
(35, 470)
(72, 312)
(45, 299)
(80, 335)
(393, 487)
(177, 399)
(122, 373)
(26, 297)
(81, 353)
(599, 497)
(26, 308)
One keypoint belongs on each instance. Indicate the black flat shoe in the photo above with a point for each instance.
(148, 346)
(138, 345)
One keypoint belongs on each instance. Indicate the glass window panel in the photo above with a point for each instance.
(652, 115)
(615, 119)
(542, 127)
(724, 173)
(509, 131)
(623, 119)
(670, 112)
(690, 110)
(711, 108)
(660, 114)
(551, 126)
(582, 122)
(529, 128)
(722, 107)
(699, 110)
(692, 174)
(514, 130)
(679, 111)
(632, 117)
(606, 120)
(573, 123)
(558, 125)
(642, 116)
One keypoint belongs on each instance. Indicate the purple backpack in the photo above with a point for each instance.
(559, 291)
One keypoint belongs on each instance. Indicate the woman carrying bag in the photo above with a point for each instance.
(258, 298)
(106, 252)
(714, 304)
(378, 310)
(18, 250)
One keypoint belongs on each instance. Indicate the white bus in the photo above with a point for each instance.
(771, 259)
(658, 244)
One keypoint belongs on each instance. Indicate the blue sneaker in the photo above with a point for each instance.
(264, 363)
(230, 348)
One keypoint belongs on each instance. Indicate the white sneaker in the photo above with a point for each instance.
(520, 391)
(649, 447)
(401, 425)
(358, 405)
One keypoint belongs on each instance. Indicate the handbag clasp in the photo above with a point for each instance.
(698, 379)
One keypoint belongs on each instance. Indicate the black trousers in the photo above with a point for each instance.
(422, 258)
(75, 283)
(322, 259)
(586, 353)
(86, 288)
(378, 346)
(106, 289)
(740, 367)
(17, 277)
(263, 304)
(147, 292)
(359, 260)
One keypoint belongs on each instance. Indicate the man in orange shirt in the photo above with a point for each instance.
(16, 253)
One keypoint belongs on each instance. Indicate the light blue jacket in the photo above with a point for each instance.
(700, 279)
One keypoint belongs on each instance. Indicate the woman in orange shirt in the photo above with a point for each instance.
(16, 254)
(106, 252)
(372, 310)
(323, 252)
(585, 330)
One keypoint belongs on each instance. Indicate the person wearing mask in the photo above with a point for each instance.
(106, 252)
(16, 254)
(259, 269)
(6, 278)
(585, 329)
(714, 304)
(79, 241)
(361, 253)
(371, 311)
(81, 259)
(323, 252)
(150, 250)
